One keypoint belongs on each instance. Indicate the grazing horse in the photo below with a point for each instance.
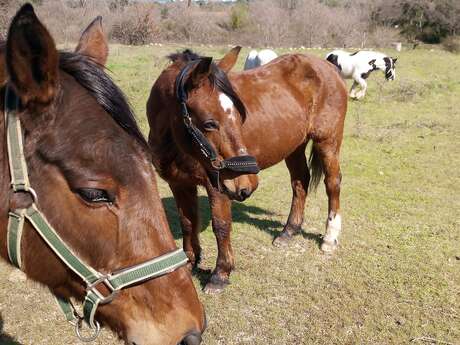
(359, 65)
(269, 113)
(257, 59)
(79, 207)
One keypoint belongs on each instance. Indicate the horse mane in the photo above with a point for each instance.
(98, 83)
(218, 78)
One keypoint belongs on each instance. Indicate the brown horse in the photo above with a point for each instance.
(91, 170)
(271, 112)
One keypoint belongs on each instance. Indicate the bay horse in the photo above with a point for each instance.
(359, 65)
(269, 113)
(89, 200)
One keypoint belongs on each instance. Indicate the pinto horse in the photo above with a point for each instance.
(269, 113)
(92, 183)
(359, 65)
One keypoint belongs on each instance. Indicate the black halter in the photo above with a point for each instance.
(241, 164)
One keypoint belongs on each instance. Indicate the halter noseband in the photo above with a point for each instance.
(93, 279)
(241, 164)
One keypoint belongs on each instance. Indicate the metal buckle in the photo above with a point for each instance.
(92, 337)
(218, 165)
(103, 299)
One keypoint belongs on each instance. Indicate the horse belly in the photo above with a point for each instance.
(347, 71)
(273, 141)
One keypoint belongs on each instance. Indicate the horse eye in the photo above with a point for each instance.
(94, 195)
(211, 125)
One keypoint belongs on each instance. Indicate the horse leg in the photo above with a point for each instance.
(221, 216)
(187, 205)
(353, 89)
(300, 178)
(329, 155)
(362, 92)
(363, 87)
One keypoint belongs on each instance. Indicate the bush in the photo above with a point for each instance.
(452, 44)
(135, 26)
(239, 15)
(429, 21)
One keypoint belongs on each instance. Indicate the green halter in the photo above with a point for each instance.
(114, 282)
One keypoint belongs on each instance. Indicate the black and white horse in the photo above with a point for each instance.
(359, 65)
(257, 59)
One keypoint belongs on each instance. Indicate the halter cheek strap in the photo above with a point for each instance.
(93, 279)
(241, 164)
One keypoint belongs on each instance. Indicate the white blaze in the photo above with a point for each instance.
(227, 104)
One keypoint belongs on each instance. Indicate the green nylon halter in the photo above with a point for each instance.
(114, 282)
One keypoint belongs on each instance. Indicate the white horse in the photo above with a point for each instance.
(359, 65)
(256, 59)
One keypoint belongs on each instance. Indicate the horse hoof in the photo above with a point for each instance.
(216, 285)
(329, 247)
(213, 289)
(281, 241)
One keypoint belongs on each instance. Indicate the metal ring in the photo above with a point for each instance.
(218, 165)
(32, 192)
(79, 326)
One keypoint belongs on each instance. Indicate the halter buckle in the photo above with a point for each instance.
(218, 165)
(105, 281)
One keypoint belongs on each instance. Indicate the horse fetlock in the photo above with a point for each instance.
(333, 228)
(193, 257)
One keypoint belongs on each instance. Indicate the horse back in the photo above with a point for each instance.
(293, 98)
(300, 82)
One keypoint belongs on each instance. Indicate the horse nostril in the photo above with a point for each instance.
(192, 339)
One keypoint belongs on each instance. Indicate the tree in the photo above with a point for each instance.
(426, 20)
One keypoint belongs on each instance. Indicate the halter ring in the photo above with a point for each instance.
(90, 338)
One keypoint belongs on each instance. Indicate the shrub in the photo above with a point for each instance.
(135, 26)
(239, 15)
(452, 44)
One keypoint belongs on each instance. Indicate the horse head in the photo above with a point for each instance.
(208, 120)
(390, 68)
(89, 166)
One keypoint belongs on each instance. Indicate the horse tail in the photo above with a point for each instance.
(316, 169)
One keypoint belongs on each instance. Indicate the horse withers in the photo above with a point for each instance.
(269, 113)
(88, 204)
(359, 65)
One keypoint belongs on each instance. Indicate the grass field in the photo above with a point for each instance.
(396, 276)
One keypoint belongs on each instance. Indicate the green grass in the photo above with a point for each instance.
(396, 275)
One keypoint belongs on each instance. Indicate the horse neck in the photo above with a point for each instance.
(4, 182)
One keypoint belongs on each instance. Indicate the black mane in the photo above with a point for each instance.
(93, 78)
(217, 78)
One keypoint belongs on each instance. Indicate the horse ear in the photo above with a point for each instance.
(372, 62)
(201, 70)
(229, 60)
(31, 58)
(93, 42)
